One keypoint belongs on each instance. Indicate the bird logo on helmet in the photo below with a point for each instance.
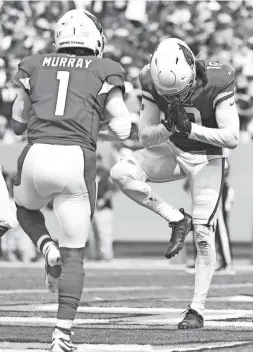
(173, 69)
(80, 29)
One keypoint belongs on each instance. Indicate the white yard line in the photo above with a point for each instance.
(39, 321)
(165, 314)
(199, 347)
(129, 264)
(219, 286)
(132, 310)
(22, 347)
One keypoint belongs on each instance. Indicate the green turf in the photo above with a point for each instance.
(171, 292)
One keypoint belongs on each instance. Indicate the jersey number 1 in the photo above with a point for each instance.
(63, 77)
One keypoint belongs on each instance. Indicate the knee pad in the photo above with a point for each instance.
(126, 170)
(72, 254)
(204, 235)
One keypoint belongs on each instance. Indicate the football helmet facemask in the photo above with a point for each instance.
(173, 69)
(78, 28)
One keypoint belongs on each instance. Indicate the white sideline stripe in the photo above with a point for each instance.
(130, 310)
(45, 322)
(241, 285)
(87, 289)
(239, 298)
(94, 348)
(117, 264)
(22, 347)
(128, 264)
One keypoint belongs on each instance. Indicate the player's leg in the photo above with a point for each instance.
(154, 164)
(31, 194)
(73, 209)
(206, 184)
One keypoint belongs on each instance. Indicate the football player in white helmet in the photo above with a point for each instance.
(63, 98)
(76, 29)
(199, 119)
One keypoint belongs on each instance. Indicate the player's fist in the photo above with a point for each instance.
(169, 125)
(170, 118)
(182, 121)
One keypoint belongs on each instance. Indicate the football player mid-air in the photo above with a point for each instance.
(200, 119)
(63, 98)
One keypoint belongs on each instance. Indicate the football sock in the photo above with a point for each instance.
(204, 265)
(142, 193)
(70, 285)
(33, 224)
(64, 325)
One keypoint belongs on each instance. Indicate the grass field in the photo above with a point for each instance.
(127, 305)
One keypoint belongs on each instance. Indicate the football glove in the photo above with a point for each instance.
(170, 117)
(182, 121)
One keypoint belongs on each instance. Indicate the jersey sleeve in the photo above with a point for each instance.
(115, 76)
(146, 83)
(25, 70)
(222, 83)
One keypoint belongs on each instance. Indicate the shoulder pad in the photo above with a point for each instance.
(220, 82)
(25, 69)
(112, 68)
(114, 73)
(29, 63)
(218, 75)
(146, 79)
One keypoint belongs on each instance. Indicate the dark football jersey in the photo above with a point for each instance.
(68, 95)
(201, 106)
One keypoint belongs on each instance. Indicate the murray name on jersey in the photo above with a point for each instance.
(71, 62)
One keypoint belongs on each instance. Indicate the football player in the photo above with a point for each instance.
(61, 103)
(199, 119)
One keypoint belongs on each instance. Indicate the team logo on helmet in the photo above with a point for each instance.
(187, 54)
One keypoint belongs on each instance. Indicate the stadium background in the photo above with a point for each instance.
(218, 30)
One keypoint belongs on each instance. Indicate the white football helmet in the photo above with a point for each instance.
(78, 28)
(173, 69)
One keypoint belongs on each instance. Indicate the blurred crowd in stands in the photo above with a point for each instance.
(216, 30)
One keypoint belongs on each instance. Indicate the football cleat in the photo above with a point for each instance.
(61, 342)
(53, 267)
(180, 230)
(192, 320)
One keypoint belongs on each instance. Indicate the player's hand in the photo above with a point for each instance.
(170, 117)
(182, 121)
(169, 125)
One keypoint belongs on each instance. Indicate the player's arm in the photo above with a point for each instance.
(227, 133)
(20, 112)
(151, 130)
(119, 122)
